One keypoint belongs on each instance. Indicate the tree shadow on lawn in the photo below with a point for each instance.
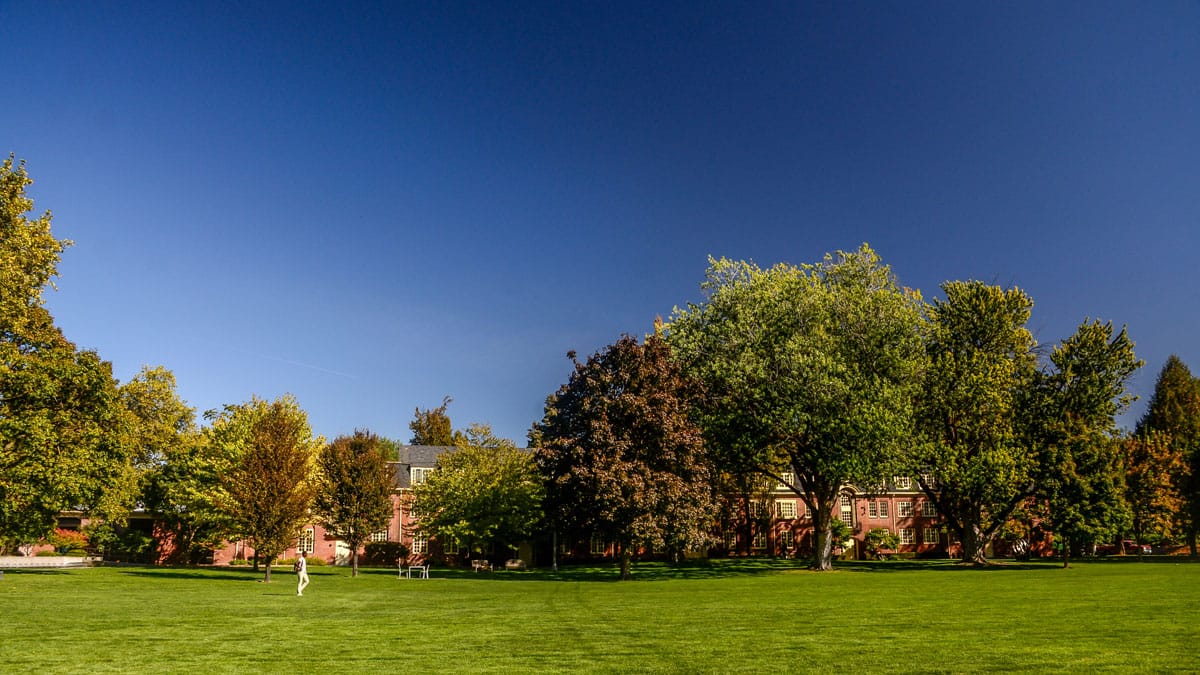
(243, 574)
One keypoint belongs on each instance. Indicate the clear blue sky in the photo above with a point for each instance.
(373, 206)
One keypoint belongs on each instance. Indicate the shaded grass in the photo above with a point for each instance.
(723, 616)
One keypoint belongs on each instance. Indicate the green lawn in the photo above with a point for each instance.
(749, 616)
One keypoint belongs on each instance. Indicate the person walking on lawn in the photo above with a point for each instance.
(301, 573)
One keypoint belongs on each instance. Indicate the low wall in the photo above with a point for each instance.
(8, 562)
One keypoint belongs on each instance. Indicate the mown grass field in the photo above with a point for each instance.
(727, 616)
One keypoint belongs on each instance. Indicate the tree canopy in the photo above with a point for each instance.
(432, 427)
(809, 370)
(353, 491)
(621, 455)
(1174, 415)
(60, 422)
(484, 492)
(270, 485)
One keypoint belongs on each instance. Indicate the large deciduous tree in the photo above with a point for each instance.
(1081, 480)
(622, 457)
(60, 420)
(975, 460)
(485, 491)
(270, 485)
(809, 370)
(354, 487)
(1174, 410)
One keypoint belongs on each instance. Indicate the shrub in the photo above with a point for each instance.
(880, 539)
(316, 562)
(45, 554)
(68, 542)
(239, 562)
(384, 553)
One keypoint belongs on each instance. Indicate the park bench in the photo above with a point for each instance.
(481, 565)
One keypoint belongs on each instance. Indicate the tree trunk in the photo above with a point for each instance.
(974, 545)
(626, 563)
(255, 560)
(822, 538)
(269, 562)
(1192, 541)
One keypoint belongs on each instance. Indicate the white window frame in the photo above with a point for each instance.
(931, 535)
(904, 509)
(902, 482)
(884, 510)
(847, 518)
(907, 535)
(419, 474)
(759, 542)
(380, 535)
(872, 509)
(789, 479)
(928, 509)
(730, 539)
(420, 543)
(787, 539)
(787, 509)
(598, 545)
(450, 547)
(307, 542)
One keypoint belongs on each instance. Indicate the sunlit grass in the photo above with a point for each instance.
(751, 616)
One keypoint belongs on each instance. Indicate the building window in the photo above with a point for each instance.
(928, 509)
(848, 518)
(846, 502)
(420, 544)
(927, 479)
(599, 546)
(418, 474)
(907, 536)
(883, 509)
(760, 540)
(730, 539)
(450, 547)
(307, 541)
(787, 509)
(807, 511)
(757, 509)
(902, 482)
(904, 509)
(930, 535)
(787, 539)
(789, 479)
(872, 509)
(381, 535)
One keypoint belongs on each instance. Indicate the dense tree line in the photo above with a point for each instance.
(818, 376)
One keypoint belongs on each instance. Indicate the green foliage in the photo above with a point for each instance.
(432, 427)
(1155, 470)
(807, 369)
(880, 539)
(621, 456)
(975, 459)
(1174, 413)
(1081, 479)
(270, 484)
(60, 444)
(385, 553)
(486, 491)
(353, 492)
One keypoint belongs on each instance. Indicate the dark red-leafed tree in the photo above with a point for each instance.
(621, 456)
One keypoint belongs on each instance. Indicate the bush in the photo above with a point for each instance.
(46, 554)
(68, 542)
(384, 553)
(880, 539)
(239, 562)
